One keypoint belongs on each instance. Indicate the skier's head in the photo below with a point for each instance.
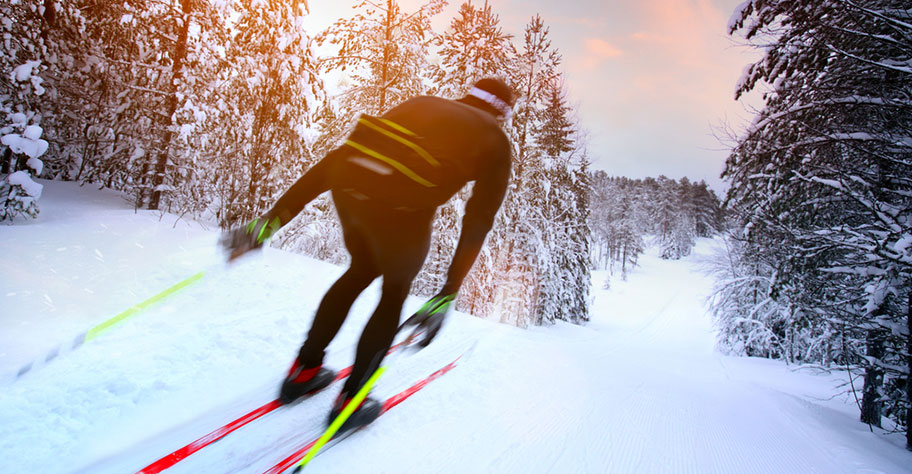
(493, 95)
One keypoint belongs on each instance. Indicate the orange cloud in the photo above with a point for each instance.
(601, 48)
(598, 50)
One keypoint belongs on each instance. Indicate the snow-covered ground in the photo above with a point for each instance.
(638, 389)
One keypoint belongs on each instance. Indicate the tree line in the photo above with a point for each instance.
(628, 213)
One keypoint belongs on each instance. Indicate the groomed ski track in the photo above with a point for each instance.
(638, 389)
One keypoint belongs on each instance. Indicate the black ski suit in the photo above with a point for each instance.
(387, 181)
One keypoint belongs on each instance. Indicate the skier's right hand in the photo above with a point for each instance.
(429, 319)
(237, 242)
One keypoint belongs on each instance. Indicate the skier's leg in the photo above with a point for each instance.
(307, 374)
(399, 256)
(377, 336)
(379, 333)
(332, 312)
(341, 295)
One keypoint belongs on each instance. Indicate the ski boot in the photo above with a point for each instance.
(304, 381)
(363, 415)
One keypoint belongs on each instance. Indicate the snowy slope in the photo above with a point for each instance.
(639, 389)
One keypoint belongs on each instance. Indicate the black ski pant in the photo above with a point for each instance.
(382, 242)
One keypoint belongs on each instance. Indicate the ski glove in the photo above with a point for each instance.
(429, 318)
(239, 241)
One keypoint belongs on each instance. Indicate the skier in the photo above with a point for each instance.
(387, 181)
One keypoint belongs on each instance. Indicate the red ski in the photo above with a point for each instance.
(392, 401)
(180, 454)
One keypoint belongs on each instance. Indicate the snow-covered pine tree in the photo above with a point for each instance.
(576, 277)
(824, 171)
(706, 209)
(684, 230)
(672, 224)
(600, 212)
(385, 51)
(472, 48)
(534, 70)
(516, 239)
(270, 92)
(554, 136)
(24, 27)
(562, 265)
(628, 225)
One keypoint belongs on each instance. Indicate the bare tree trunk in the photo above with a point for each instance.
(873, 379)
(909, 376)
(624, 261)
(6, 162)
(384, 76)
(177, 71)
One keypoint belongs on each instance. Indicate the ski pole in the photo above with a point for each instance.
(100, 329)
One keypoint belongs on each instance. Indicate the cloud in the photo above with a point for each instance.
(597, 51)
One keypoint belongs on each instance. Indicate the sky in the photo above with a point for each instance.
(653, 81)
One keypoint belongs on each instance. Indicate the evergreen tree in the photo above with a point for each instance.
(24, 55)
(472, 48)
(385, 50)
(554, 135)
(706, 210)
(535, 69)
(564, 230)
(518, 236)
(823, 172)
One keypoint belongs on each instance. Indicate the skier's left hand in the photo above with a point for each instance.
(237, 242)
(429, 319)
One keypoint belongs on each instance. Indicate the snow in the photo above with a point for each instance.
(735, 18)
(32, 148)
(32, 132)
(24, 71)
(35, 164)
(904, 243)
(22, 179)
(28, 72)
(638, 389)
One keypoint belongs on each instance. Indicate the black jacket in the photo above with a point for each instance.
(416, 156)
